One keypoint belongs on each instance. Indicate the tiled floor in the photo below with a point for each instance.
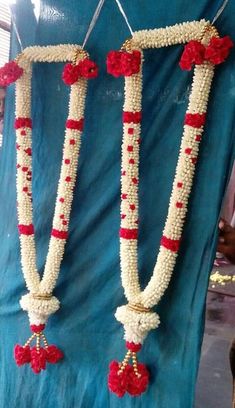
(214, 387)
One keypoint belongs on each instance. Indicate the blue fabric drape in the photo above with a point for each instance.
(89, 284)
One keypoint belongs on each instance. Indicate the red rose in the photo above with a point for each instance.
(54, 354)
(218, 49)
(22, 354)
(70, 74)
(88, 69)
(38, 359)
(130, 62)
(137, 384)
(114, 63)
(117, 382)
(9, 73)
(194, 53)
(122, 63)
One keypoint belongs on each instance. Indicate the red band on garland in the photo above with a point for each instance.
(133, 346)
(23, 122)
(172, 244)
(195, 120)
(128, 233)
(26, 229)
(132, 117)
(37, 328)
(59, 234)
(75, 124)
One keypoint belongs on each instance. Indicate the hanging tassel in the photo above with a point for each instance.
(37, 355)
(124, 377)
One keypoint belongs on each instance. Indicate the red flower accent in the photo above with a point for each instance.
(38, 359)
(137, 384)
(70, 74)
(117, 383)
(123, 63)
(22, 354)
(218, 49)
(88, 69)
(54, 354)
(133, 346)
(37, 328)
(9, 73)
(194, 53)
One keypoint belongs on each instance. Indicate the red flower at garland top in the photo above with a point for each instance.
(218, 49)
(9, 73)
(194, 53)
(122, 63)
(85, 69)
(215, 52)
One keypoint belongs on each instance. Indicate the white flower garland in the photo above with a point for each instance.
(137, 316)
(39, 302)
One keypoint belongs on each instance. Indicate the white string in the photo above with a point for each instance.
(93, 21)
(220, 11)
(125, 16)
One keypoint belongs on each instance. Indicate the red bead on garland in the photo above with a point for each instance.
(37, 355)
(124, 377)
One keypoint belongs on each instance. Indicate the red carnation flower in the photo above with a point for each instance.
(54, 354)
(218, 49)
(123, 63)
(117, 383)
(194, 53)
(130, 62)
(38, 359)
(70, 74)
(137, 384)
(113, 62)
(88, 69)
(22, 355)
(9, 73)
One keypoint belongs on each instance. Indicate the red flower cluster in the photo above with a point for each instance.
(37, 358)
(218, 49)
(9, 73)
(122, 63)
(215, 52)
(127, 380)
(85, 69)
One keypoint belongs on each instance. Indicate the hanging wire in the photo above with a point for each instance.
(93, 21)
(220, 11)
(15, 29)
(125, 16)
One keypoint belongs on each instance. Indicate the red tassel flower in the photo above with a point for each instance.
(9, 73)
(38, 359)
(138, 383)
(117, 379)
(122, 63)
(218, 49)
(22, 355)
(124, 377)
(37, 356)
(194, 53)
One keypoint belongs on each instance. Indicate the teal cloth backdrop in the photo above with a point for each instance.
(89, 285)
